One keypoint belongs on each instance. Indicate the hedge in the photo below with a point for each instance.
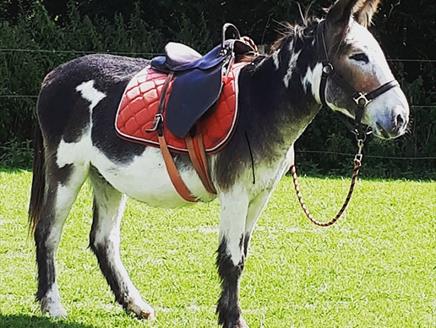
(77, 29)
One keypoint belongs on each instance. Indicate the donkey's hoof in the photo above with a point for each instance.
(147, 315)
(53, 309)
(142, 310)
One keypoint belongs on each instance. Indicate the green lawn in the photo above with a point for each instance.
(375, 268)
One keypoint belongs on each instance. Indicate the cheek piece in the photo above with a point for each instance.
(360, 99)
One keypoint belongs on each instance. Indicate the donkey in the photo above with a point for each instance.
(279, 95)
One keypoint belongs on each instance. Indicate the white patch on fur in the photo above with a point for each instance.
(312, 78)
(291, 67)
(90, 93)
(146, 179)
(51, 303)
(73, 152)
(234, 206)
(275, 57)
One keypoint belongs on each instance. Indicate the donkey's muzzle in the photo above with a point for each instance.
(395, 125)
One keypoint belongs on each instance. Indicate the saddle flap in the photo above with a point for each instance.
(193, 93)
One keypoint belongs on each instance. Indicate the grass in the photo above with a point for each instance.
(375, 268)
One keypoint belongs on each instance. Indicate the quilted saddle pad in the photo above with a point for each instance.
(140, 101)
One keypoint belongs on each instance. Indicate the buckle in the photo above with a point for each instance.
(361, 100)
(158, 119)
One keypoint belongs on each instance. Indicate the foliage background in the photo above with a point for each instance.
(54, 31)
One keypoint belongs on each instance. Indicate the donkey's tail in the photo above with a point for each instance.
(38, 180)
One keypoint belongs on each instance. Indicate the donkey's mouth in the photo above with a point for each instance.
(382, 133)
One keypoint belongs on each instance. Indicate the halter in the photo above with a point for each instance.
(360, 99)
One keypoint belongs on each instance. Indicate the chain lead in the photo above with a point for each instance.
(356, 167)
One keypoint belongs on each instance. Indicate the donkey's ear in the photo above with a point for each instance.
(340, 13)
(364, 13)
(338, 18)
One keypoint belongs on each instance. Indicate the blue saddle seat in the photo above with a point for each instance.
(179, 53)
(197, 83)
(180, 62)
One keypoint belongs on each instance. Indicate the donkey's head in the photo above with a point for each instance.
(357, 79)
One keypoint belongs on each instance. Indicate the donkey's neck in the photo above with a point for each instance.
(279, 102)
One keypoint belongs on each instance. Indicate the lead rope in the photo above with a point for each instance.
(356, 167)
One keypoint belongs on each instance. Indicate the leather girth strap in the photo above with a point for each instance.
(196, 152)
(198, 158)
(173, 172)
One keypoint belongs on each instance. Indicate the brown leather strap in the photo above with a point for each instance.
(199, 145)
(173, 172)
(198, 158)
(195, 148)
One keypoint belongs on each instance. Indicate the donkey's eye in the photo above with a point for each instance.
(360, 57)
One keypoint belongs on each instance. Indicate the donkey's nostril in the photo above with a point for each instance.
(400, 120)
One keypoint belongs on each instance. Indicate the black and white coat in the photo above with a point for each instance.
(278, 98)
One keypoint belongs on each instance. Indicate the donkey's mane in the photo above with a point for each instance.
(295, 32)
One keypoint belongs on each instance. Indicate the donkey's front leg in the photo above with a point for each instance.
(230, 258)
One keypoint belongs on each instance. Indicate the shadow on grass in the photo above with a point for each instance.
(26, 321)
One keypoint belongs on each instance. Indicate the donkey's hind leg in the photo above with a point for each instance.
(63, 184)
(108, 209)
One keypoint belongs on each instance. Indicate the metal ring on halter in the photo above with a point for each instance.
(327, 68)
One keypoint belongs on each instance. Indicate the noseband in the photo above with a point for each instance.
(361, 99)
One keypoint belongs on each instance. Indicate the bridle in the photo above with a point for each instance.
(361, 101)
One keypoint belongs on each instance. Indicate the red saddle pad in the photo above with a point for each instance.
(140, 101)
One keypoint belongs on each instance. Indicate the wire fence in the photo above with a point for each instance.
(324, 152)
(17, 96)
(320, 152)
(73, 51)
(53, 51)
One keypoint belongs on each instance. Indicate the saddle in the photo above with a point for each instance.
(198, 79)
(193, 100)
